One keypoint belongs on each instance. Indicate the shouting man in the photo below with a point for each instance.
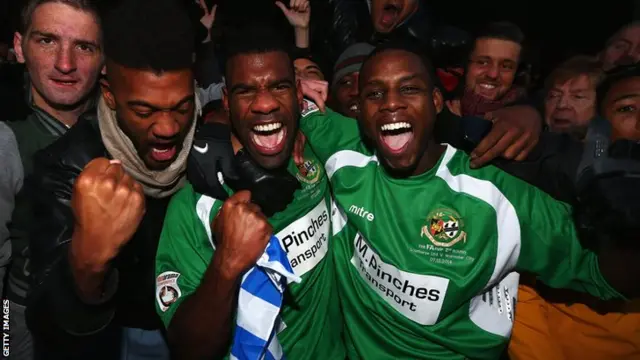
(207, 244)
(432, 273)
(103, 190)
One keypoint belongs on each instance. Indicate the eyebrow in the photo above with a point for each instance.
(312, 67)
(402, 79)
(155, 108)
(626, 96)
(621, 39)
(242, 86)
(56, 37)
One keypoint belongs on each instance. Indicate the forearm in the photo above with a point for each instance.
(302, 37)
(202, 326)
(57, 292)
(88, 282)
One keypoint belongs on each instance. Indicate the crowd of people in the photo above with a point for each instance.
(427, 199)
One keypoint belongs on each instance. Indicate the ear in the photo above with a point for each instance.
(438, 100)
(17, 47)
(107, 94)
(299, 94)
(225, 99)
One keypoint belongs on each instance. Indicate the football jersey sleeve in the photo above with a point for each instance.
(328, 132)
(185, 249)
(550, 246)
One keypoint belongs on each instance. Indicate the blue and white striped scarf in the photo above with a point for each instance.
(259, 303)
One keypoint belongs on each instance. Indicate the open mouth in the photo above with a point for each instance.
(163, 153)
(64, 82)
(396, 136)
(354, 108)
(389, 14)
(487, 88)
(561, 121)
(269, 139)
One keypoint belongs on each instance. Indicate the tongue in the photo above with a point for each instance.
(268, 141)
(397, 142)
(388, 16)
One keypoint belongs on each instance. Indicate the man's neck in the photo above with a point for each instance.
(430, 158)
(68, 116)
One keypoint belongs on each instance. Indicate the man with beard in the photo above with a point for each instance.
(434, 246)
(102, 191)
(207, 244)
(60, 42)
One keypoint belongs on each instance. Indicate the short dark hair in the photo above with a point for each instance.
(30, 7)
(502, 30)
(408, 44)
(155, 35)
(258, 39)
(613, 77)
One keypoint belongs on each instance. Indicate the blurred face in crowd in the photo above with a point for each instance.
(63, 54)
(155, 110)
(386, 15)
(307, 69)
(622, 49)
(344, 97)
(264, 105)
(492, 67)
(399, 106)
(621, 106)
(570, 105)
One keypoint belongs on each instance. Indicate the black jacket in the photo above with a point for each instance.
(551, 166)
(58, 318)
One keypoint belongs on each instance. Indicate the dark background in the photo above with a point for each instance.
(555, 30)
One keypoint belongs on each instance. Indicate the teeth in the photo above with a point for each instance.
(488, 86)
(160, 150)
(267, 127)
(395, 126)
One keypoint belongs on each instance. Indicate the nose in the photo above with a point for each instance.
(635, 55)
(493, 71)
(353, 89)
(264, 103)
(166, 127)
(65, 61)
(563, 102)
(393, 102)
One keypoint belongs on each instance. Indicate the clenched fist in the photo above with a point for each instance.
(108, 206)
(242, 232)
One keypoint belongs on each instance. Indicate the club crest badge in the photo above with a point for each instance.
(444, 228)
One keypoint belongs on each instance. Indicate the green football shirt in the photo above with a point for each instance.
(426, 266)
(311, 315)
